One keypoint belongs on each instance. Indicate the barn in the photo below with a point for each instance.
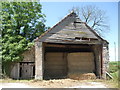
(69, 47)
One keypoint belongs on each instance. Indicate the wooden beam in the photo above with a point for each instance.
(66, 46)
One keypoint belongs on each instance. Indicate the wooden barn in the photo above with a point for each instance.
(69, 47)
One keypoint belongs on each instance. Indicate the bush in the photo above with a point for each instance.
(114, 67)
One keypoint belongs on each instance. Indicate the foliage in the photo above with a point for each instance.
(114, 66)
(94, 17)
(114, 69)
(22, 22)
(115, 75)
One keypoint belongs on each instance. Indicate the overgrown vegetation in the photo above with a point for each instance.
(22, 22)
(114, 69)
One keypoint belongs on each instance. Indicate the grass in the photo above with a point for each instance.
(114, 69)
(115, 75)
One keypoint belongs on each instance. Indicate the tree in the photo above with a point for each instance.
(94, 17)
(22, 22)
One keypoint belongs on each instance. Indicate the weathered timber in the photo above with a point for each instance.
(67, 45)
(55, 65)
(79, 62)
(73, 42)
(97, 60)
(69, 29)
(15, 71)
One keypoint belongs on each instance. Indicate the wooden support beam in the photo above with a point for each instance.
(66, 46)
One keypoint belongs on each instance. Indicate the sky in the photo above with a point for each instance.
(55, 11)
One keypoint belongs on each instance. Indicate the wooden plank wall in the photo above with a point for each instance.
(55, 64)
(15, 71)
(27, 70)
(82, 62)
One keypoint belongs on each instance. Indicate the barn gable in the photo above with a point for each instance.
(71, 30)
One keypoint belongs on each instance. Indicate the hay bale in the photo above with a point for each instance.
(82, 76)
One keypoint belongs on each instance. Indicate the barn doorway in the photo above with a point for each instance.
(62, 59)
(27, 70)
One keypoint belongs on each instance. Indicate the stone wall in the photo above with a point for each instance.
(29, 55)
(39, 58)
(105, 60)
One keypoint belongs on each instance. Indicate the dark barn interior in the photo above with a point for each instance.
(57, 62)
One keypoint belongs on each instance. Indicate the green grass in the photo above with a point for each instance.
(115, 75)
(114, 69)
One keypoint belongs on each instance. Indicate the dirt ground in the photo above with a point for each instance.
(67, 83)
(56, 83)
(15, 85)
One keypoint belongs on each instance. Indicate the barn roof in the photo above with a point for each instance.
(70, 30)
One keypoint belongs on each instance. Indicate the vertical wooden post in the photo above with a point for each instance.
(97, 54)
